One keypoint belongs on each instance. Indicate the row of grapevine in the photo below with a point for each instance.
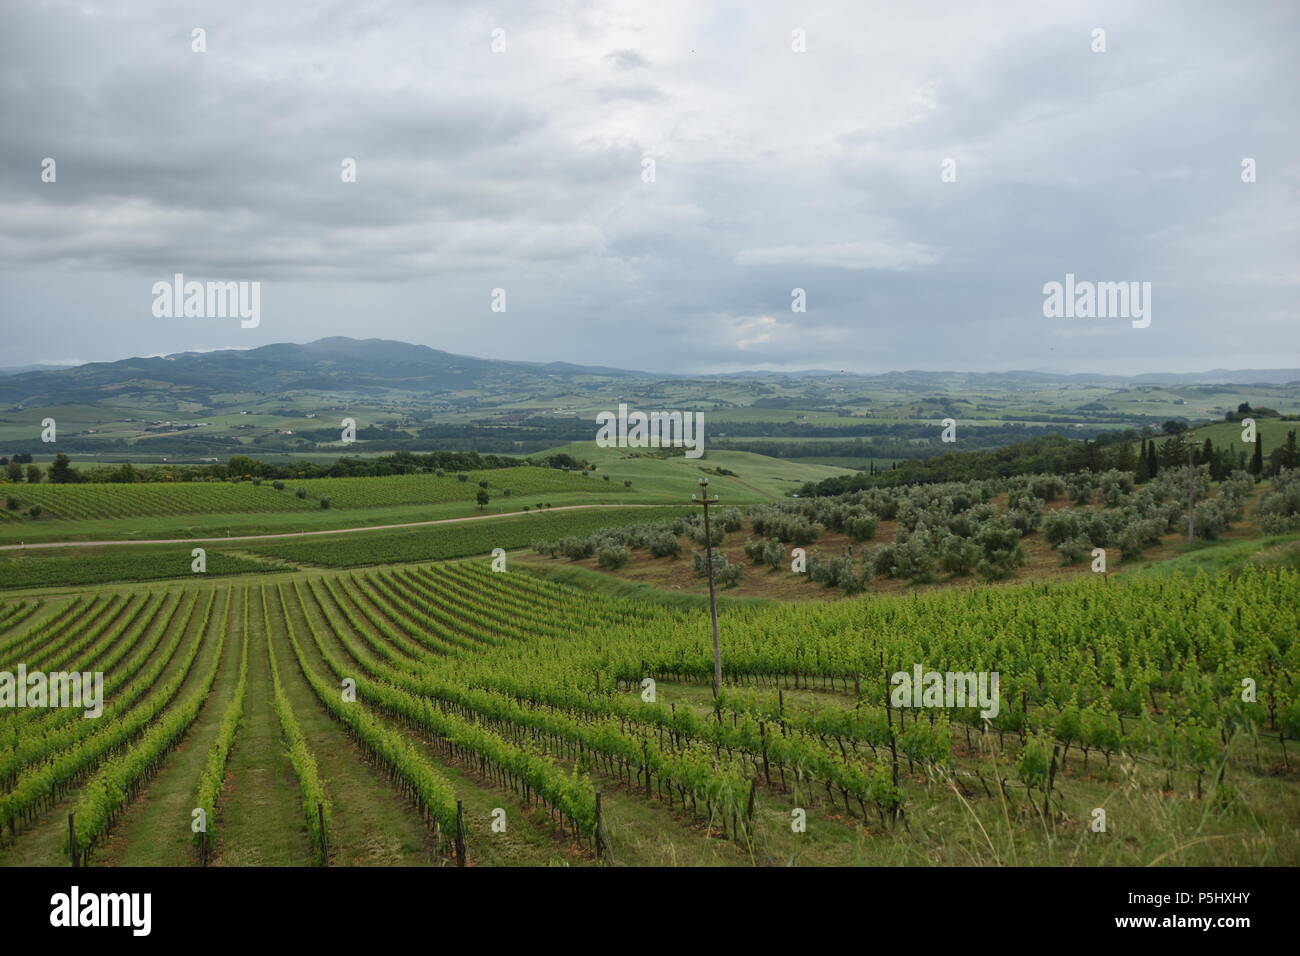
(15, 613)
(99, 650)
(451, 540)
(115, 564)
(146, 499)
(715, 783)
(70, 754)
(52, 731)
(49, 630)
(570, 796)
(115, 783)
(315, 804)
(524, 482)
(137, 645)
(427, 788)
(1129, 689)
(212, 778)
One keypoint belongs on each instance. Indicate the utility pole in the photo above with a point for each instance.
(1191, 490)
(704, 499)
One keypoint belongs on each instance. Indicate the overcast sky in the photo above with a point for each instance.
(774, 169)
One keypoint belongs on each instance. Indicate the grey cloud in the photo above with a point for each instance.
(774, 170)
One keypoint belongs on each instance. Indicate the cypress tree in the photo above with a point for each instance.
(1287, 456)
(1257, 461)
(1152, 468)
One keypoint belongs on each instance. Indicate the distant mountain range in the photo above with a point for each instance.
(1218, 376)
(338, 365)
(380, 368)
(20, 369)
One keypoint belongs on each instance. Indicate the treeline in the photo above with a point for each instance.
(1057, 455)
(558, 430)
(905, 431)
(486, 442)
(239, 467)
(399, 463)
(913, 441)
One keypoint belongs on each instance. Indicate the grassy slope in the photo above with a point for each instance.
(380, 501)
(1272, 431)
(758, 477)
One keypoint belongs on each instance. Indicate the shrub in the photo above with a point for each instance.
(725, 572)
(300, 493)
(461, 476)
(915, 559)
(1048, 488)
(1003, 552)
(730, 519)
(664, 545)
(12, 503)
(959, 555)
(612, 556)
(576, 548)
(1138, 536)
(715, 532)
(1210, 519)
(627, 483)
(278, 485)
(1099, 531)
(1115, 486)
(325, 502)
(1025, 522)
(861, 527)
(1279, 510)
(1061, 526)
(1073, 550)
(729, 574)
(787, 526)
(1080, 488)
(34, 511)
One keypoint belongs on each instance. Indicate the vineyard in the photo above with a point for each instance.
(442, 713)
(525, 482)
(90, 501)
(452, 540)
(29, 569)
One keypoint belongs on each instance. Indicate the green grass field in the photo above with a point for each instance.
(156, 510)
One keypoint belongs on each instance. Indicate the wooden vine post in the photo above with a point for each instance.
(603, 853)
(460, 833)
(324, 843)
